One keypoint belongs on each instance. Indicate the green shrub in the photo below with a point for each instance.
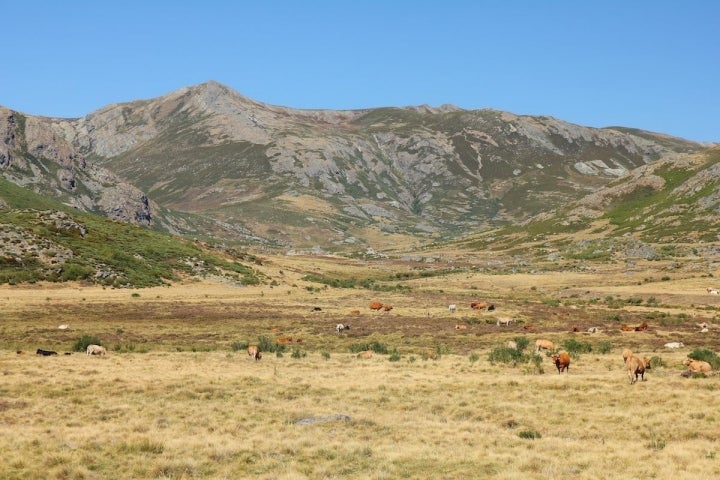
(575, 347)
(521, 343)
(604, 347)
(529, 434)
(82, 343)
(394, 355)
(508, 355)
(266, 344)
(656, 362)
(238, 346)
(706, 355)
(325, 355)
(374, 346)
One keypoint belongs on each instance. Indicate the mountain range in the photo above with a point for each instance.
(206, 162)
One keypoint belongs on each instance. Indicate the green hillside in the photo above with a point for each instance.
(43, 240)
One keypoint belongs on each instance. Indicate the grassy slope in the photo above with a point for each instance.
(129, 255)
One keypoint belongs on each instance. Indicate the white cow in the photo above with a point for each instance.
(96, 350)
(674, 345)
(504, 321)
(713, 291)
(452, 307)
(341, 328)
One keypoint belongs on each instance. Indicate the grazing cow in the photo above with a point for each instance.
(354, 312)
(625, 328)
(674, 345)
(284, 340)
(376, 306)
(627, 353)
(697, 366)
(452, 307)
(562, 361)
(95, 350)
(45, 353)
(387, 308)
(541, 344)
(254, 352)
(713, 291)
(504, 321)
(317, 309)
(593, 330)
(528, 327)
(460, 326)
(366, 354)
(341, 328)
(63, 327)
(637, 366)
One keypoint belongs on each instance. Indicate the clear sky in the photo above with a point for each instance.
(649, 64)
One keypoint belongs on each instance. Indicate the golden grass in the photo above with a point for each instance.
(221, 415)
(192, 408)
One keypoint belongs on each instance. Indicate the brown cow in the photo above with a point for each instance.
(482, 306)
(541, 344)
(366, 354)
(627, 353)
(697, 366)
(354, 312)
(562, 361)
(460, 327)
(376, 306)
(642, 327)
(387, 308)
(637, 366)
(625, 328)
(254, 352)
(284, 340)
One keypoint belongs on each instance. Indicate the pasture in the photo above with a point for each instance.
(176, 397)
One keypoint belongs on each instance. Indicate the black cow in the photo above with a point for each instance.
(45, 353)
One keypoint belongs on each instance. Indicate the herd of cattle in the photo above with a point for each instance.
(635, 366)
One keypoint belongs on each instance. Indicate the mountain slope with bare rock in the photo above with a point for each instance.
(205, 160)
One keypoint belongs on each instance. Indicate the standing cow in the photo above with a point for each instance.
(254, 352)
(562, 361)
(636, 366)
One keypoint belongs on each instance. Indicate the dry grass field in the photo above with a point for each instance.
(174, 399)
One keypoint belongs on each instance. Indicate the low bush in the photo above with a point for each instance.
(575, 347)
(238, 346)
(374, 346)
(82, 343)
(706, 355)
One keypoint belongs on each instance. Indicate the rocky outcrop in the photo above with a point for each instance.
(242, 166)
(38, 152)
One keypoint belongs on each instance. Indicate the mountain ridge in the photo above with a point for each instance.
(206, 160)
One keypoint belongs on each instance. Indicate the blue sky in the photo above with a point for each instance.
(650, 64)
